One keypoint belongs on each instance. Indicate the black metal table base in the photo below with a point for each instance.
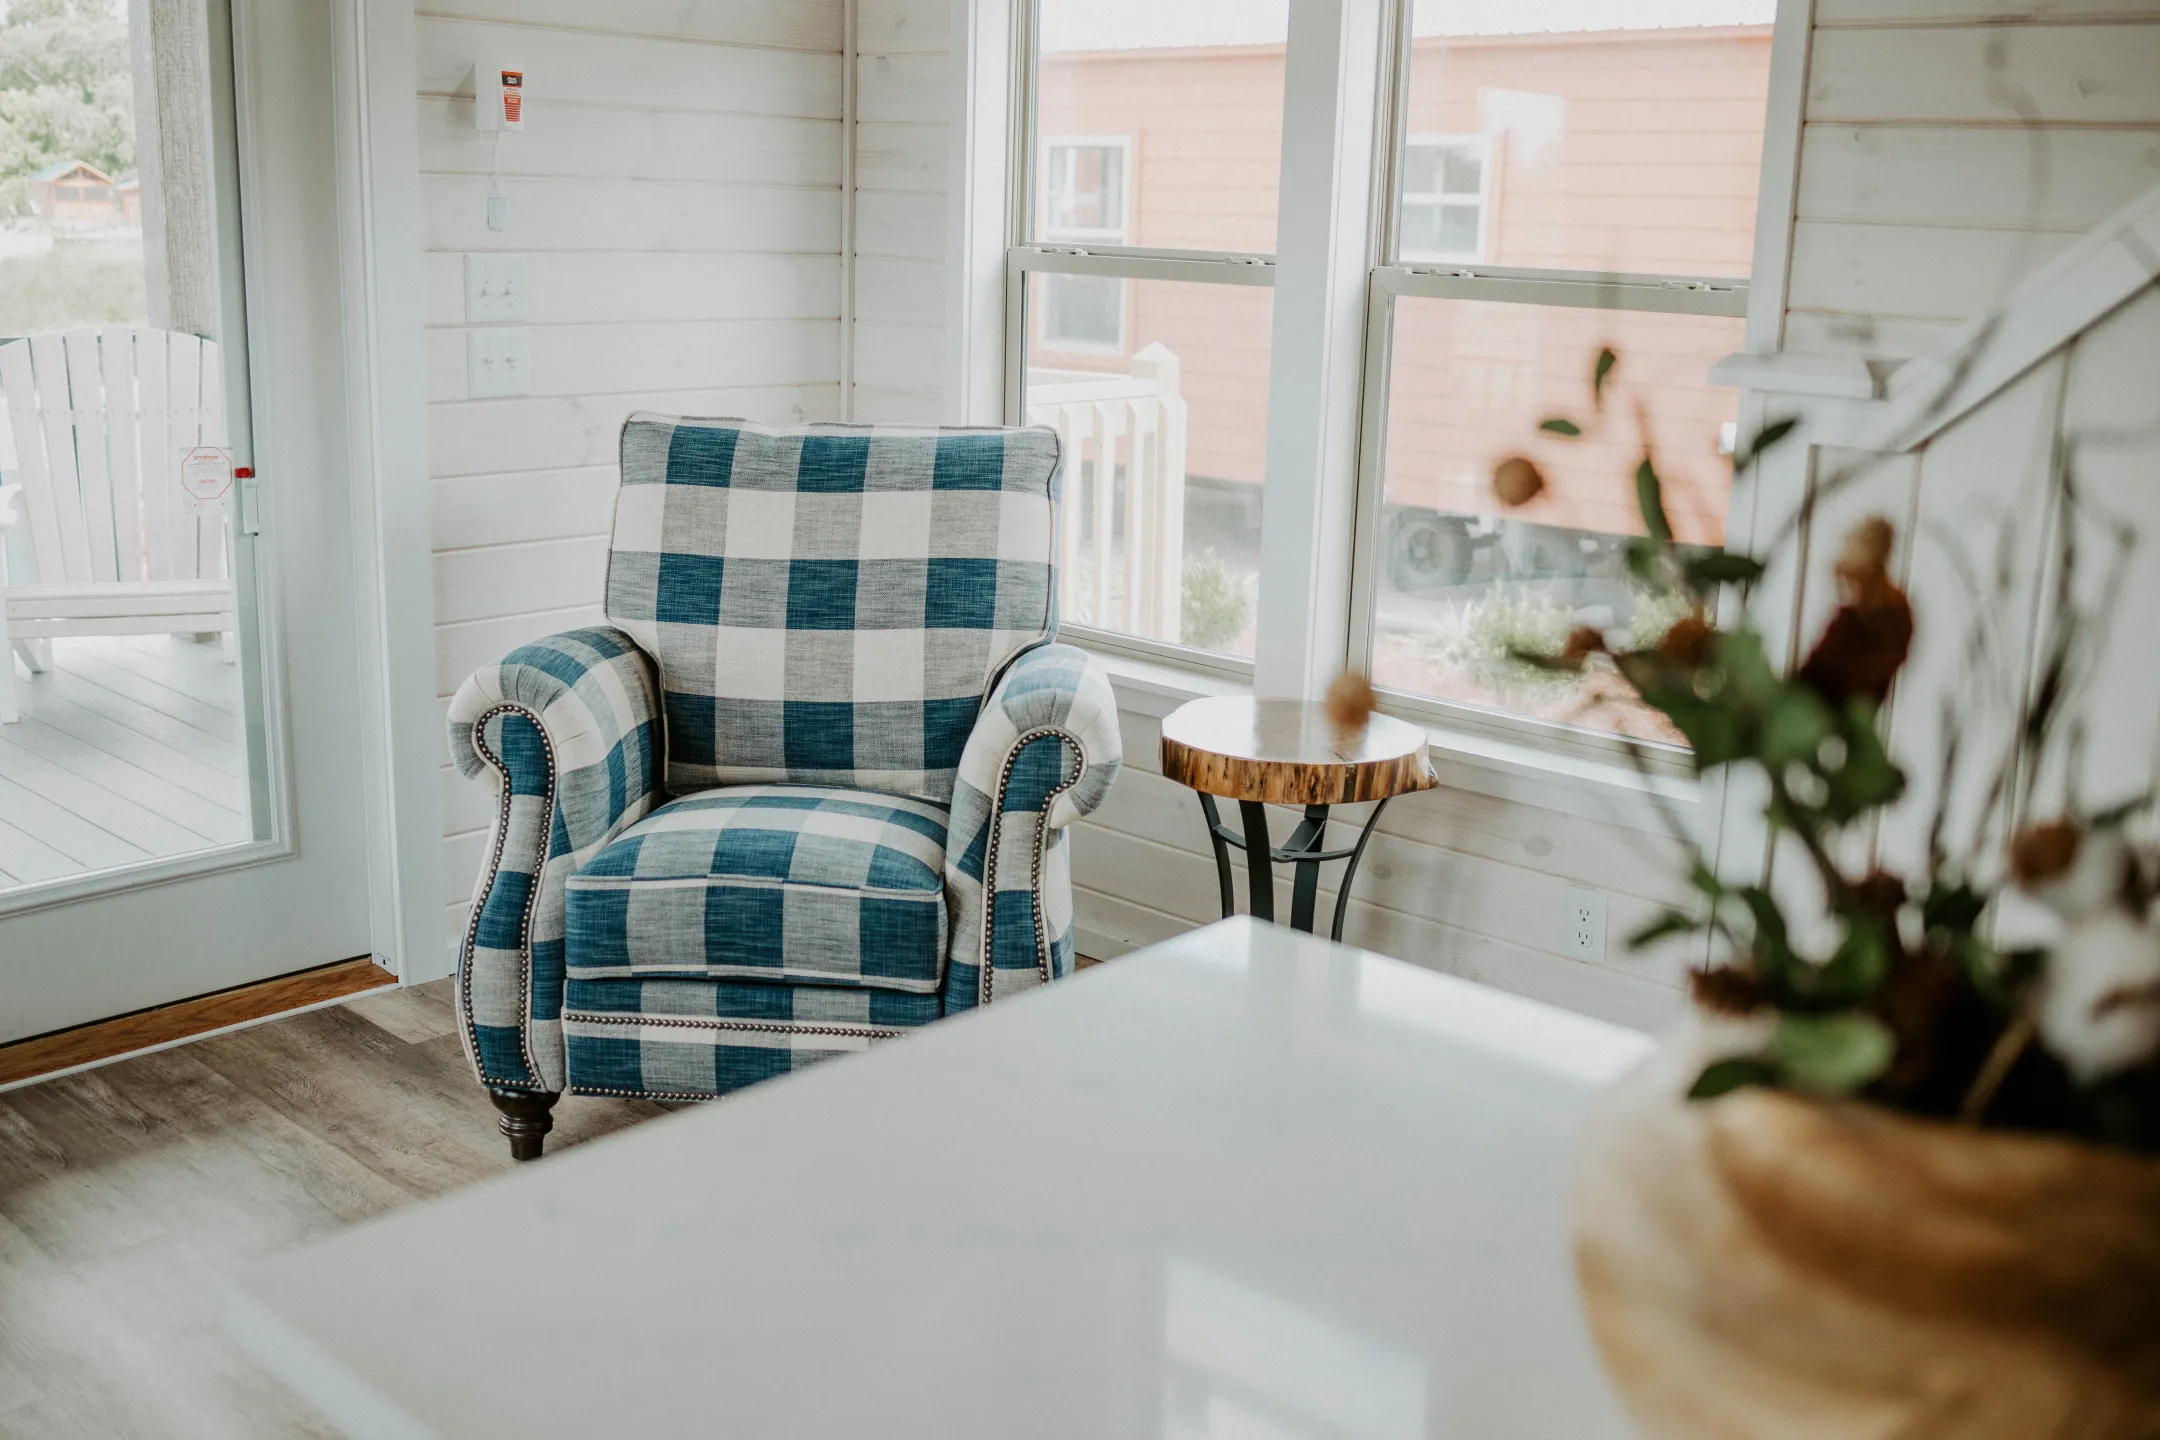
(1302, 850)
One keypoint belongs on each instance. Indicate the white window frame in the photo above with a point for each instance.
(1337, 280)
(1483, 198)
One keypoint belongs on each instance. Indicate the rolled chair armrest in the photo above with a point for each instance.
(569, 727)
(1044, 752)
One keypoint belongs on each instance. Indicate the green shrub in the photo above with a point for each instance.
(1214, 605)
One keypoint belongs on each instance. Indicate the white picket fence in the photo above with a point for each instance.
(1124, 543)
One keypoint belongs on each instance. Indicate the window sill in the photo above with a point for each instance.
(1591, 788)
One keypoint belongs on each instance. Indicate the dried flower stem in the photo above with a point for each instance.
(2007, 1048)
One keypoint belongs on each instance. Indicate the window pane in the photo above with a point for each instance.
(1083, 312)
(1463, 581)
(1191, 91)
(1461, 176)
(1624, 135)
(1165, 451)
(1459, 229)
(1084, 191)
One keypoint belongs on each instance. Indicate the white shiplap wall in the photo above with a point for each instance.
(677, 192)
(902, 161)
(1951, 148)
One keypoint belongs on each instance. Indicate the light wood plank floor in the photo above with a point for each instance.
(129, 1193)
(130, 748)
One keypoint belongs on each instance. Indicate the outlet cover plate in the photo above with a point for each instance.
(495, 289)
(1582, 925)
(497, 363)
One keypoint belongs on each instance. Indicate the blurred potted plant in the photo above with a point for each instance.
(1899, 1178)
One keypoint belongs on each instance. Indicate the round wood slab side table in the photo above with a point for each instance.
(1287, 752)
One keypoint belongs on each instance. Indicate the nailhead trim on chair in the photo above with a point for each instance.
(532, 893)
(1042, 827)
(776, 1027)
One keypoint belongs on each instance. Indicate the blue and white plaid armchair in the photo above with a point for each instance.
(807, 790)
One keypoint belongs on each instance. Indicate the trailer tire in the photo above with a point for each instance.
(1426, 551)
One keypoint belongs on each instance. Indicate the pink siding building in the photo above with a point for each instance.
(1534, 151)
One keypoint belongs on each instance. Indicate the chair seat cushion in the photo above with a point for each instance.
(791, 884)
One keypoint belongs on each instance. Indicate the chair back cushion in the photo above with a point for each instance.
(829, 603)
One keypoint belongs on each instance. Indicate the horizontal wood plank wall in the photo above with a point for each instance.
(1954, 146)
(902, 97)
(677, 196)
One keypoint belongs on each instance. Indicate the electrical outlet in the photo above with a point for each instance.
(495, 289)
(1582, 930)
(496, 364)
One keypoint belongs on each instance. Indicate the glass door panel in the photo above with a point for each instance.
(130, 735)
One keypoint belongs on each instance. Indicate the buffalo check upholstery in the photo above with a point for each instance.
(808, 789)
(829, 604)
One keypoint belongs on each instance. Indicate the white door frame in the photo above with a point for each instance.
(384, 833)
(378, 179)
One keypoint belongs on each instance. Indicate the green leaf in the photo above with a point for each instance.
(1672, 922)
(1560, 425)
(1834, 1054)
(1860, 966)
(1772, 948)
(1953, 906)
(1722, 567)
(1982, 968)
(1795, 728)
(1746, 456)
(1869, 778)
(1722, 1077)
(1650, 496)
(1606, 359)
(1642, 558)
(1705, 880)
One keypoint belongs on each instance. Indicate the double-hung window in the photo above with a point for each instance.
(1555, 180)
(1555, 192)
(1140, 311)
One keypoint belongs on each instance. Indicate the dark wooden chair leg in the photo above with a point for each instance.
(525, 1120)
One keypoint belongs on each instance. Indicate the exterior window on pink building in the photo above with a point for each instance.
(1569, 176)
(1443, 201)
(1084, 202)
(1083, 190)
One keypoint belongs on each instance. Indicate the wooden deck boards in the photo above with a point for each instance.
(129, 1193)
(129, 749)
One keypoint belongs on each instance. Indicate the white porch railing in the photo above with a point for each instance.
(1123, 544)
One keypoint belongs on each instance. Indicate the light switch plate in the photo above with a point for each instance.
(497, 363)
(495, 289)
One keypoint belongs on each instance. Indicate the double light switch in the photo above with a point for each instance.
(497, 360)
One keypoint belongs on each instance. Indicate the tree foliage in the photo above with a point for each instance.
(66, 90)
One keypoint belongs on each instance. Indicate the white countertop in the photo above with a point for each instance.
(1246, 1183)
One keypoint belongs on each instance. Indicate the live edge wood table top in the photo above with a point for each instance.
(1287, 752)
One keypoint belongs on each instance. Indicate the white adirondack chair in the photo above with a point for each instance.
(99, 421)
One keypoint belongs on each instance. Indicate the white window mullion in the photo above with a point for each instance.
(1323, 252)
